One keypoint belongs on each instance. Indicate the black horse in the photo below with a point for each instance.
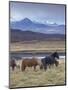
(50, 60)
(13, 64)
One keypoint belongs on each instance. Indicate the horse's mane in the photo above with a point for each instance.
(53, 54)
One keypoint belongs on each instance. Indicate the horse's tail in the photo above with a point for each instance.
(44, 63)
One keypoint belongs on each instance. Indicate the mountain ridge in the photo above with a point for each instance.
(19, 35)
(27, 24)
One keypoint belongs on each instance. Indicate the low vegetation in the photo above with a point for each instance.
(38, 46)
(29, 77)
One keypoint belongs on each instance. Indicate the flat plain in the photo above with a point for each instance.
(38, 46)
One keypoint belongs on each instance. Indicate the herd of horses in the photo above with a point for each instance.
(44, 63)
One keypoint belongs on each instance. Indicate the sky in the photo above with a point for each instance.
(44, 13)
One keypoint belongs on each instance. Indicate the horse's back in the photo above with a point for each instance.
(26, 62)
(50, 60)
(34, 61)
(30, 62)
(47, 60)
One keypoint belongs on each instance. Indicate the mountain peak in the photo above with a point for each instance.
(26, 20)
(26, 24)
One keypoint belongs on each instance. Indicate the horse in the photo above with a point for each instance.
(33, 62)
(50, 60)
(13, 64)
(56, 63)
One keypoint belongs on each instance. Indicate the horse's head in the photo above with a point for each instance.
(56, 55)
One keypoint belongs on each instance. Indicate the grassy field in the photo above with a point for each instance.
(38, 46)
(53, 76)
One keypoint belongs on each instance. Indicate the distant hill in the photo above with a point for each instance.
(27, 24)
(18, 35)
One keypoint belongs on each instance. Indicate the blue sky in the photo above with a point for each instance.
(45, 13)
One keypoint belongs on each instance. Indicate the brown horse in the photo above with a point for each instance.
(56, 63)
(29, 63)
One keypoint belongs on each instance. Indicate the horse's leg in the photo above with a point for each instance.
(41, 66)
(49, 66)
(23, 68)
(13, 67)
(56, 64)
(52, 65)
(34, 68)
(45, 67)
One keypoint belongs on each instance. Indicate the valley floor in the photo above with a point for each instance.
(38, 46)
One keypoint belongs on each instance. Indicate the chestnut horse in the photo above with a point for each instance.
(29, 63)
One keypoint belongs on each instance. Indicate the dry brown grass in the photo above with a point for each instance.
(53, 76)
(38, 46)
